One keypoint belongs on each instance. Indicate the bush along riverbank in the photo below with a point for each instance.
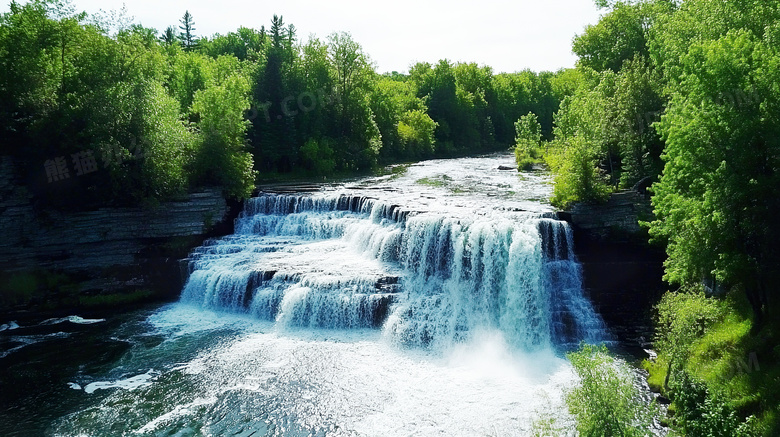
(718, 368)
(713, 368)
(713, 373)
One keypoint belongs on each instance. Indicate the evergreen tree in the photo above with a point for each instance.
(168, 38)
(186, 36)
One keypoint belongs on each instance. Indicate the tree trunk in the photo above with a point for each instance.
(753, 295)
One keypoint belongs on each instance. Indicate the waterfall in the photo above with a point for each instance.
(425, 278)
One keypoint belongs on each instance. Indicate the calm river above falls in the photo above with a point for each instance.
(437, 301)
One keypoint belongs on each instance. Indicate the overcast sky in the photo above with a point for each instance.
(506, 35)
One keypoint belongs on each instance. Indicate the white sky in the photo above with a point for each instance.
(506, 35)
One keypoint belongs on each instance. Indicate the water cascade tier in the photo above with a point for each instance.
(428, 278)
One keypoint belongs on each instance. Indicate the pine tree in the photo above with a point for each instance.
(187, 28)
(168, 37)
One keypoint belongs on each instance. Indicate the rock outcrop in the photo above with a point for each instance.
(622, 272)
(104, 250)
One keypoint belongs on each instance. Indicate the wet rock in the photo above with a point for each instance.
(388, 284)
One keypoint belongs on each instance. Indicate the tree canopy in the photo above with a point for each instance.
(166, 112)
(683, 94)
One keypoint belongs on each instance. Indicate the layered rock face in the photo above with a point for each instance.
(103, 250)
(622, 273)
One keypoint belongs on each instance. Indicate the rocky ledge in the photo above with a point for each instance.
(622, 272)
(53, 258)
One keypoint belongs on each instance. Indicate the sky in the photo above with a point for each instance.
(505, 35)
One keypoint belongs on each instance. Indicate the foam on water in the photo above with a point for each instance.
(72, 319)
(333, 382)
(386, 306)
(9, 326)
(131, 383)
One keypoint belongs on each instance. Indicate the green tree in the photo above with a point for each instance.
(391, 100)
(450, 105)
(189, 73)
(245, 44)
(359, 138)
(273, 133)
(576, 174)
(416, 130)
(617, 37)
(168, 38)
(30, 74)
(187, 27)
(637, 103)
(222, 157)
(714, 202)
(475, 86)
(318, 156)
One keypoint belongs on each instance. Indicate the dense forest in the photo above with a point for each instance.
(100, 110)
(683, 98)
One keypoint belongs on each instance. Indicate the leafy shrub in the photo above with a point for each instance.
(527, 141)
(705, 413)
(526, 164)
(683, 317)
(606, 402)
(577, 178)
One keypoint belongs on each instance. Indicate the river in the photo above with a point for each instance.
(438, 299)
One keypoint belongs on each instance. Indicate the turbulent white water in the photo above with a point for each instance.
(433, 303)
(339, 260)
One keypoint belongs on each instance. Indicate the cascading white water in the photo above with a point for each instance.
(470, 276)
(429, 278)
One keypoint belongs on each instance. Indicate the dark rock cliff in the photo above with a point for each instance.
(52, 258)
(622, 272)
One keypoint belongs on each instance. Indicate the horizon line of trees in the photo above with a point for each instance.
(152, 115)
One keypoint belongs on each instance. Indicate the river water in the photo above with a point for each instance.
(436, 300)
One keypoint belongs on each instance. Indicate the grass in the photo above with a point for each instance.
(527, 164)
(439, 181)
(656, 373)
(736, 365)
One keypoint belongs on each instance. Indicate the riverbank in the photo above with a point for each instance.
(57, 262)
